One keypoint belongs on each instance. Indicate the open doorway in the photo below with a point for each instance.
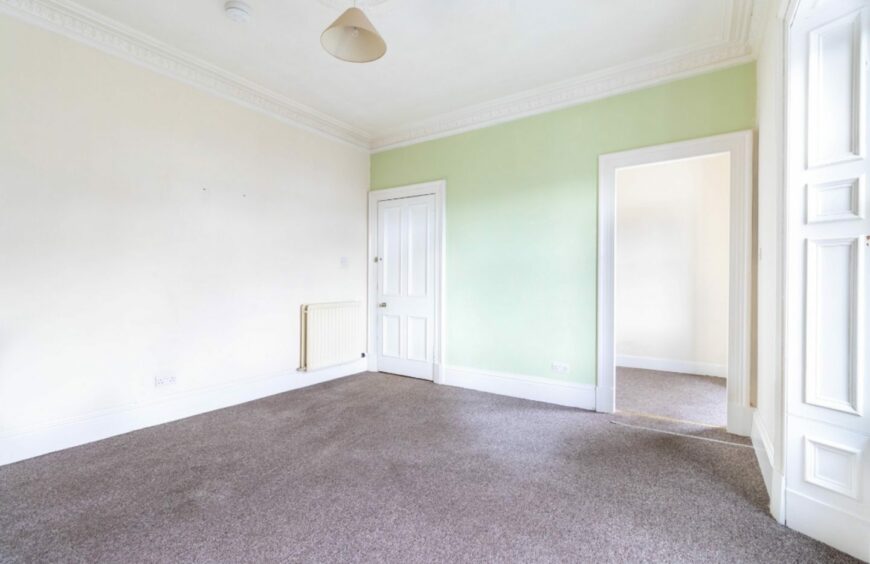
(671, 289)
(674, 281)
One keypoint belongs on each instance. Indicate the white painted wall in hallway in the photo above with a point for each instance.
(768, 369)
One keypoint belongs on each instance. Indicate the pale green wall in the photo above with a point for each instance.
(521, 215)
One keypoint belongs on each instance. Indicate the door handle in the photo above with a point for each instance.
(382, 304)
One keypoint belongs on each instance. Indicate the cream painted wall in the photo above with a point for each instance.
(672, 256)
(148, 229)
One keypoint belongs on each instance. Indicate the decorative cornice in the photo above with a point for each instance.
(741, 20)
(761, 11)
(74, 21)
(587, 88)
(89, 27)
(734, 47)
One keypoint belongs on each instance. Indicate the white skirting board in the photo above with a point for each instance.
(740, 419)
(107, 424)
(668, 365)
(521, 386)
(844, 531)
(774, 481)
(763, 450)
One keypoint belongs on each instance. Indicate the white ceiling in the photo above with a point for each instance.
(443, 56)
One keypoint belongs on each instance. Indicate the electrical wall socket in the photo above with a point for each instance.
(560, 367)
(163, 380)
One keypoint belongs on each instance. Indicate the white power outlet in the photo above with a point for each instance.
(163, 380)
(560, 367)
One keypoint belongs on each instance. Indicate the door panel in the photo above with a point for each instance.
(390, 224)
(406, 286)
(837, 200)
(390, 336)
(833, 320)
(835, 101)
(418, 345)
(418, 249)
(827, 378)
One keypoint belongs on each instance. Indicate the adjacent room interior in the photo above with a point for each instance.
(413, 281)
(671, 297)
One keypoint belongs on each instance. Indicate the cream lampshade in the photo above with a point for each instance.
(353, 38)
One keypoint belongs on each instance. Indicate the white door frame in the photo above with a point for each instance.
(740, 147)
(439, 189)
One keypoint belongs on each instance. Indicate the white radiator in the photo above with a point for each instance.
(331, 334)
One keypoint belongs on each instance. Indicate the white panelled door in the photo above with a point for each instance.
(827, 369)
(406, 286)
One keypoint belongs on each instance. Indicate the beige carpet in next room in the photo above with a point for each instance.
(686, 397)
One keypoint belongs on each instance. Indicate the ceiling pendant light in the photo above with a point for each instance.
(353, 38)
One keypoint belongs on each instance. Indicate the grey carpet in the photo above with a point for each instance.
(377, 468)
(688, 397)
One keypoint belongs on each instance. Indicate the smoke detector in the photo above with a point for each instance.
(237, 11)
